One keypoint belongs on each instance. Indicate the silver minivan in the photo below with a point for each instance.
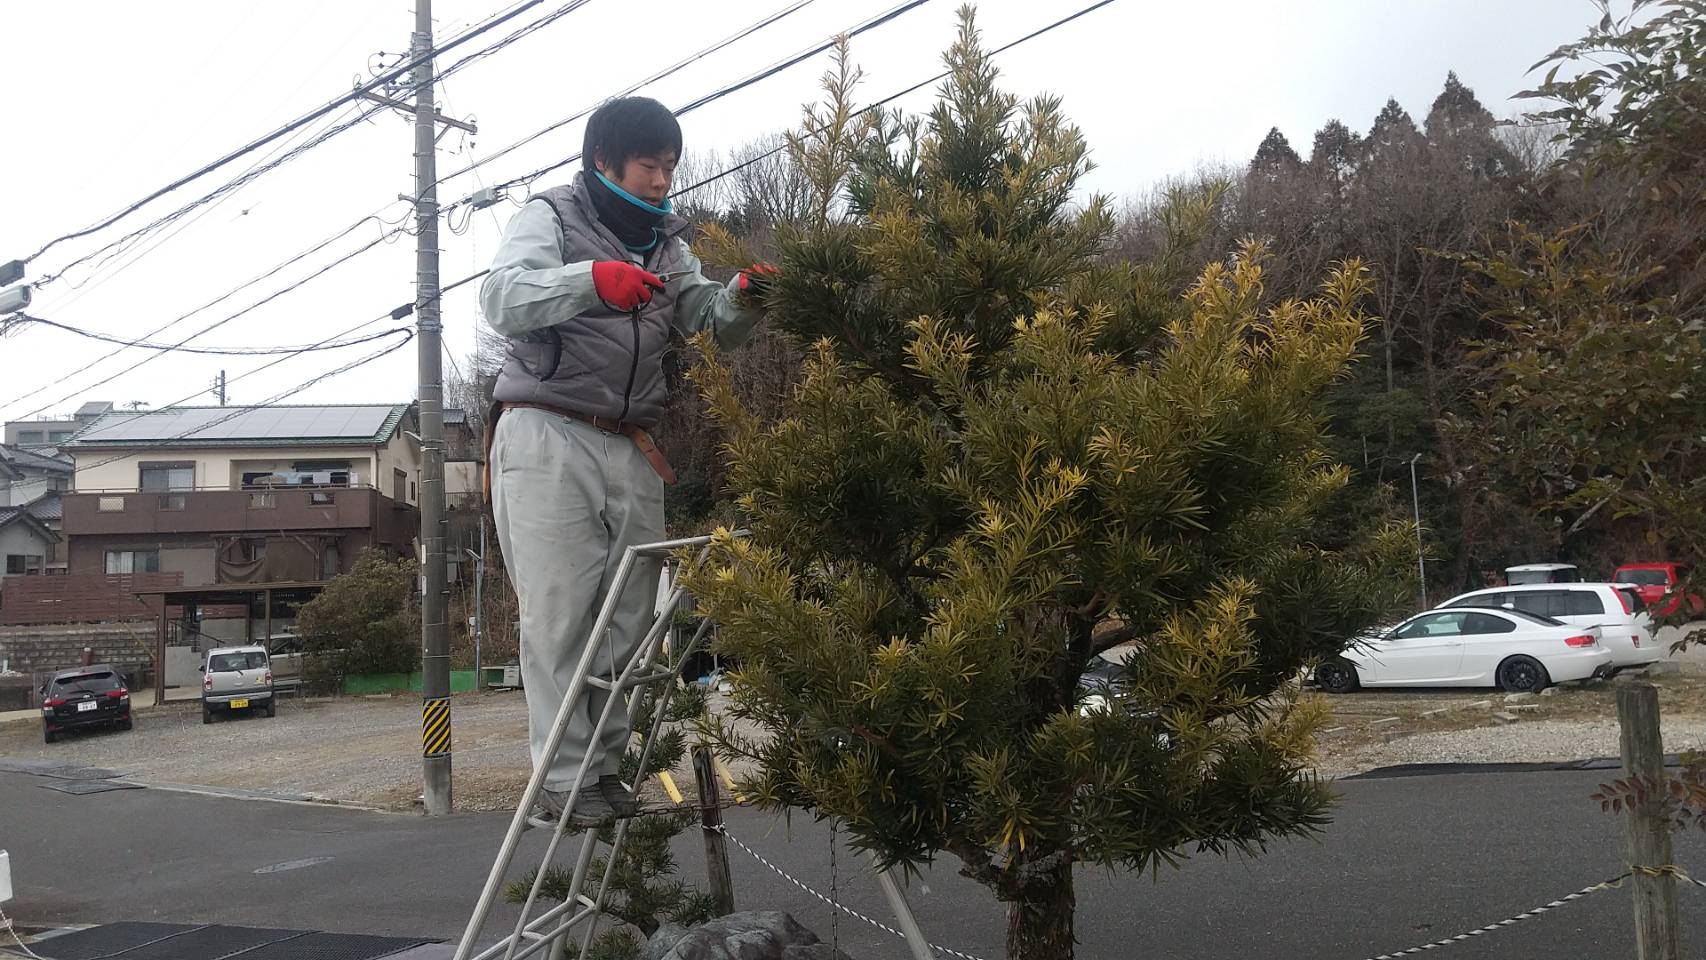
(237, 678)
(1627, 629)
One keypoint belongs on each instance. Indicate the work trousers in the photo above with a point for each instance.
(569, 500)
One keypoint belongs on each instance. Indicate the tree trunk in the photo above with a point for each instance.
(1039, 921)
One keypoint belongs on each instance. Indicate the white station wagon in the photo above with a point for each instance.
(1468, 647)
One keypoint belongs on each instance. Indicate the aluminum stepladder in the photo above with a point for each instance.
(643, 670)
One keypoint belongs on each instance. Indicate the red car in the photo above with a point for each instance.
(1653, 581)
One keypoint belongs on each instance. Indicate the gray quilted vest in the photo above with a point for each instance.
(602, 362)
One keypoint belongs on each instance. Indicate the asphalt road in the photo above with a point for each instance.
(1406, 861)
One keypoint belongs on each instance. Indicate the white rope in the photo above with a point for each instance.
(6, 924)
(1525, 915)
(1423, 948)
(724, 830)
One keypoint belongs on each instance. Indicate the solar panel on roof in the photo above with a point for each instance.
(217, 423)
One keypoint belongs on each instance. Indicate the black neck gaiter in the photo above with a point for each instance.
(633, 224)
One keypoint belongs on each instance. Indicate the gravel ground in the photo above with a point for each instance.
(1522, 742)
(366, 749)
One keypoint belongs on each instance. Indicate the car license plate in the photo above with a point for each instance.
(240, 703)
(86, 705)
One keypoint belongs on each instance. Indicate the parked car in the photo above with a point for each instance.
(1542, 573)
(237, 678)
(1652, 581)
(84, 697)
(1627, 630)
(1466, 647)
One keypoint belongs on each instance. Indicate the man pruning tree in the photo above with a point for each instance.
(589, 280)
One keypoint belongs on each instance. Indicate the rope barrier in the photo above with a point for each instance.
(724, 830)
(1588, 891)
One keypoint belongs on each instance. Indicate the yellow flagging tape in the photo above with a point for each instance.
(669, 786)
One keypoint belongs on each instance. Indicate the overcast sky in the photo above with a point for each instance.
(109, 99)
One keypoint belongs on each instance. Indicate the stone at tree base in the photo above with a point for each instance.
(750, 935)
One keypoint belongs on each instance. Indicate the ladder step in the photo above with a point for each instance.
(638, 680)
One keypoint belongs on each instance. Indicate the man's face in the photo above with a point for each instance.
(644, 176)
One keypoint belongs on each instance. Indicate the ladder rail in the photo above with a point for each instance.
(659, 708)
(639, 658)
(518, 824)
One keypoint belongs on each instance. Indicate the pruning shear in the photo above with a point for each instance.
(635, 313)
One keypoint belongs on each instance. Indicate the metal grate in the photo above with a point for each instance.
(327, 946)
(106, 940)
(81, 787)
(210, 943)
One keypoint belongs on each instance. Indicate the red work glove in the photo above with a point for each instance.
(754, 282)
(623, 285)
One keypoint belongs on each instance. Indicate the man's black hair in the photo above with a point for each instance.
(630, 127)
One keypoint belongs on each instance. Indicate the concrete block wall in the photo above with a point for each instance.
(31, 649)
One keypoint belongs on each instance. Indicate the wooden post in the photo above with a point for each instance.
(160, 654)
(711, 820)
(1658, 933)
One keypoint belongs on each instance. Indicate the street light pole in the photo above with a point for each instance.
(479, 623)
(1416, 499)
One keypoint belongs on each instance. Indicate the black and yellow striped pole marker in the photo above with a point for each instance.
(435, 727)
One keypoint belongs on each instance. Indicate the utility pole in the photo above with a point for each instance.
(435, 635)
(219, 387)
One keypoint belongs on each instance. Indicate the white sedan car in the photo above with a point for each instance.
(1470, 647)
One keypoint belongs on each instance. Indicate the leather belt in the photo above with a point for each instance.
(642, 439)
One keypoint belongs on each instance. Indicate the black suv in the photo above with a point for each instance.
(83, 697)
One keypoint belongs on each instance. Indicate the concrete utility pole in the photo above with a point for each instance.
(219, 387)
(435, 635)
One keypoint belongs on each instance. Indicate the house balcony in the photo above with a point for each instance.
(227, 511)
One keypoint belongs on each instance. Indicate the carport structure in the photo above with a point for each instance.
(246, 595)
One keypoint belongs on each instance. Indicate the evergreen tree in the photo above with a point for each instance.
(1001, 459)
(1457, 111)
(1274, 157)
(1393, 137)
(1333, 160)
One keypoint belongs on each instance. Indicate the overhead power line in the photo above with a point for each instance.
(739, 85)
(663, 74)
(219, 323)
(240, 410)
(384, 78)
(877, 105)
(261, 170)
(397, 313)
(23, 318)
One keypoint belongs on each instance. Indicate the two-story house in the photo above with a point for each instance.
(31, 482)
(51, 431)
(220, 495)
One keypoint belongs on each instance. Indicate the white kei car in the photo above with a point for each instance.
(1469, 647)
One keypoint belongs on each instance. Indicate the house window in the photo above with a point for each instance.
(23, 563)
(28, 437)
(263, 501)
(167, 476)
(399, 486)
(322, 473)
(109, 505)
(320, 498)
(172, 501)
(58, 436)
(133, 561)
